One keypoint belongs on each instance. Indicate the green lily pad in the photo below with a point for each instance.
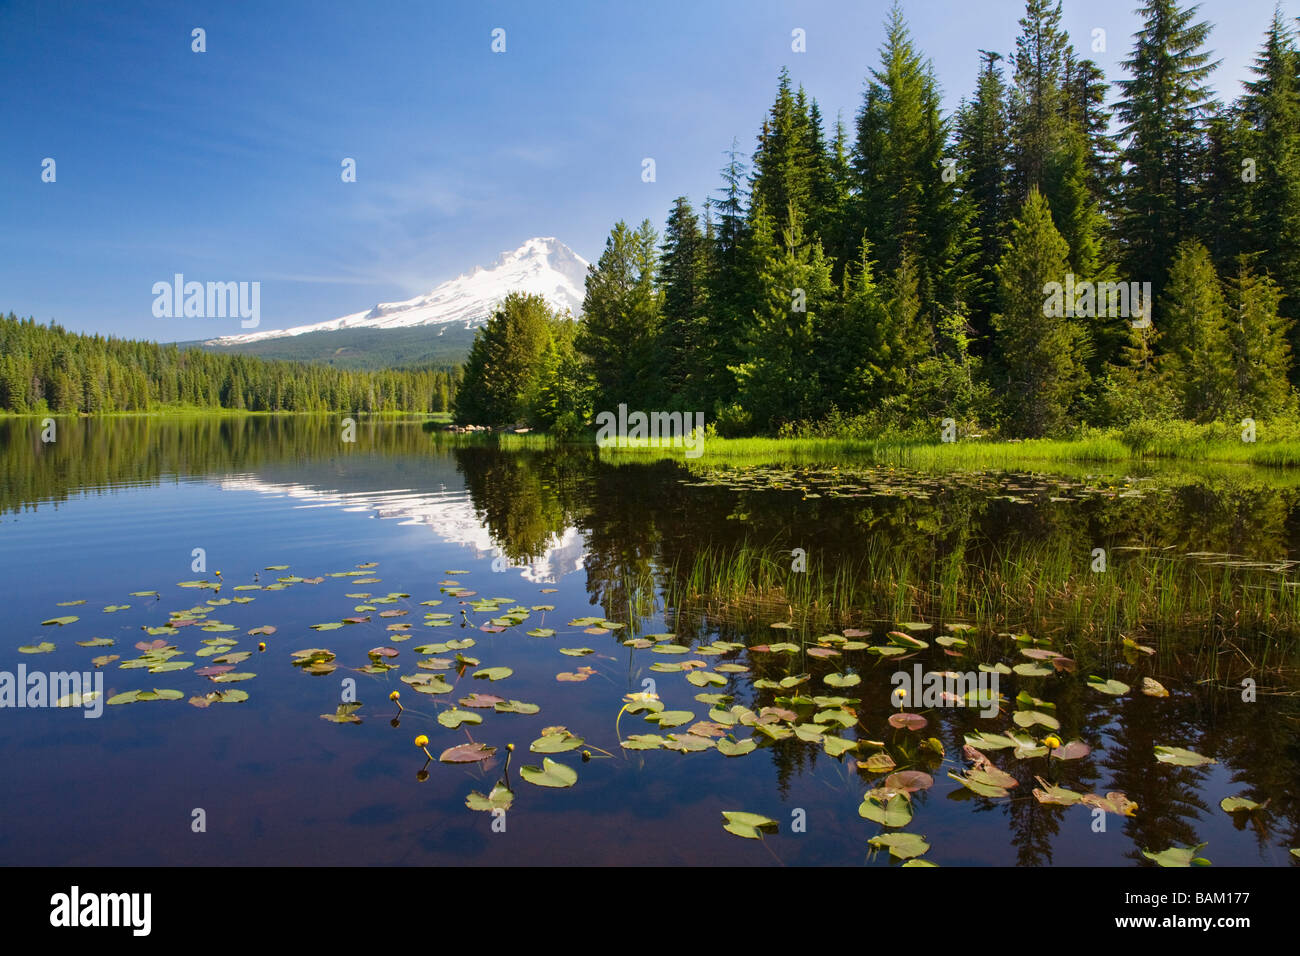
(893, 811)
(455, 717)
(1180, 757)
(1240, 805)
(500, 798)
(493, 673)
(96, 642)
(736, 748)
(44, 647)
(747, 825)
(345, 714)
(842, 680)
(706, 679)
(1112, 687)
(62, 620)
(556, 742)
(838, 746)
(550, 774)
(670, 718)
(1178, 856)
(902, 846)
(515, 707)
(1028, 718)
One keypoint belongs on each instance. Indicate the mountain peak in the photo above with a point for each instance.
(542, 265)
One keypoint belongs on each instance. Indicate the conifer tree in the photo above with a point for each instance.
(1162, 110)
(621, 326)
(1194, 335)
(779, 378)
(1257, 337)
(1271, 109)
(683, 277)
(905, 205)
(1042, 356)
(983, 148)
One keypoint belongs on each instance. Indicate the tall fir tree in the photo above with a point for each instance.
(905, 204)
(729, 282)
(785, 158)
(1042, 356)
(1261, 354)
(683, 277)
(1194, 335)
(621, 321)
(1271, 110)
(779, 380)
(503, 371)
(1162, 111)
(1049, 142)
(984, 156)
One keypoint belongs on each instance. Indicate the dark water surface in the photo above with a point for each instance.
(120, 505)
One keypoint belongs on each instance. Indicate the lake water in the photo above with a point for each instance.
(121, 505)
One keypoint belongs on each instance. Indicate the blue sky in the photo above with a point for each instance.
(225, 165)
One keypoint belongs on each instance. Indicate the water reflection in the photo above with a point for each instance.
(569, 519)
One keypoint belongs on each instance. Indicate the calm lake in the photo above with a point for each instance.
(405, 531)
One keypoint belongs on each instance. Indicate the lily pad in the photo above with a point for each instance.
(748, 825)
(902, 846)
(670, 718)
(842, 680)
(1177, 856)
(1180, 757)
(550, 774)
(455, 717)
(736, 748)
(556, 742)
(515, 707)
(467, 753)
(892, 811)
(1240, 805)
(1113, 687)
(499, 798)
(1153, 688)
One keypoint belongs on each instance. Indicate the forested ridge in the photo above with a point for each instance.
(885, 272)
(47, 368)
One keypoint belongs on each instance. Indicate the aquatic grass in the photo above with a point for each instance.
(1035, 587)
(1195, 445)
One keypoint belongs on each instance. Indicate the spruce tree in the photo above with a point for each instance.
(984, 151)
(684, 280)
(1042, 356)
(503, 372)
(1271, 109)
(729, 284)
(905, 205)
(1194, 335)
(621, 321)
(1162, 110)
(1261, 355)
(779, 380)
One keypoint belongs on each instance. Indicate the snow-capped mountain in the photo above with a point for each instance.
(542, 265)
